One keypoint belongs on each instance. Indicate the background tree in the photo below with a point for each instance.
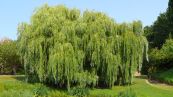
(149, 35)
(158, 34)
(9, 59)
(170, 15)
(162, 28)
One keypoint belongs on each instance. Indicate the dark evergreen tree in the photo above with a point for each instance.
(162, 28)
(170, 16)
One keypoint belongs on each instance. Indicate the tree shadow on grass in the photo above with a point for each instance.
(142, 77)
(19, 77)
(22, 78)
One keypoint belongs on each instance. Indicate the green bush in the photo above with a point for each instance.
(127, 93)
(40, 90)
(9, 57)
(79, 92)
(160, 59)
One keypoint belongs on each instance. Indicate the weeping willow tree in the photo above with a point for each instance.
(62, 47)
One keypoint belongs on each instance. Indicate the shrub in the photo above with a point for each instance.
(161, 59)
(9, 58)
(40, 90)
(127, 93)
(79, 92)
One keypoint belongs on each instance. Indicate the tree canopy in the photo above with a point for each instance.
(9, 58)
(63, 47)
(162, 59)
(162, 28)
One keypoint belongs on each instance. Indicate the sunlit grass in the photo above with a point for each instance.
(11, 86)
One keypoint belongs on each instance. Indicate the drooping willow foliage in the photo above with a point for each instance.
(63, 47)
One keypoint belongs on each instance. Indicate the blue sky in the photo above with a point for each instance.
(13, 12)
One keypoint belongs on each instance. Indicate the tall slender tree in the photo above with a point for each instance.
(170, 15)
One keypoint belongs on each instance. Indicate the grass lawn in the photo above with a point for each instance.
(13, 86)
